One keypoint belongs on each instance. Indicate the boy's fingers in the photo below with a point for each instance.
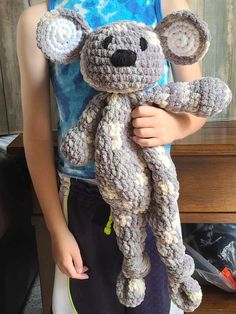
(81, 270)
(67, 267)
(85, 268)
(144, 132)
(144, 111)
(78, 264)
(73, 273)
(147, 122)
(147, 142)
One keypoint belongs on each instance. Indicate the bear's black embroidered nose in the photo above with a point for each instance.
(123, 58)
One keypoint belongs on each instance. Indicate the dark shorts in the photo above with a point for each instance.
(88, 217)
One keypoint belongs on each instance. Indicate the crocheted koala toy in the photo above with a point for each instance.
(124, 60)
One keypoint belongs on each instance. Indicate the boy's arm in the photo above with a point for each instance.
(37, 137)
(154, 126)
(184, 73)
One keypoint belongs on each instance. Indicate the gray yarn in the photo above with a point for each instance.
(173, 27)
(96, 68)
(139, 184)
(205, 97)
(55, 41)
(81, 137)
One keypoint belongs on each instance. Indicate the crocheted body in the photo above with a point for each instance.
(122, 174)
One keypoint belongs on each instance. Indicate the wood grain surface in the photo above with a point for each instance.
(216, 301)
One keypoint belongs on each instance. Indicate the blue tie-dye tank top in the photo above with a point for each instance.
(71, 91)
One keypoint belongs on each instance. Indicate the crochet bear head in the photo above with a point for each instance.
(124, 56)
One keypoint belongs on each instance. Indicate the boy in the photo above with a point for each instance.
(152, 127)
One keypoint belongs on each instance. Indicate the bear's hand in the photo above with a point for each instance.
(205, 97)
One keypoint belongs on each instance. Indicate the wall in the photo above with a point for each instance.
(10, 107)
(220, 60)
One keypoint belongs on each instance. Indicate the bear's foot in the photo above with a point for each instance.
(130, 292)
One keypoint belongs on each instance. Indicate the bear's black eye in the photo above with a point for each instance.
(143, 43)
(107, 41)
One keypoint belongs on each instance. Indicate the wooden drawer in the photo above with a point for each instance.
(207, 188)
(217, 301)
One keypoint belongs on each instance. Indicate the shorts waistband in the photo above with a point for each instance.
(78, 184)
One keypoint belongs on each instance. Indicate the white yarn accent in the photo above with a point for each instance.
(137, 285)
(141, 179)
(125, 220)
(153, 39)
(182, 38)
(167, 187)
(195, 296)
(165, 160)
(115, 132)
(59, 37)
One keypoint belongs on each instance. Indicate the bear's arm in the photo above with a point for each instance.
(78, 143)
(204, 97)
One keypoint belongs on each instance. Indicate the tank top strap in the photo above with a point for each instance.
(158, 9)
(51, 5)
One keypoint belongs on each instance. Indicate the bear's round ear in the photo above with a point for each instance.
(61, 34)
(184, 37)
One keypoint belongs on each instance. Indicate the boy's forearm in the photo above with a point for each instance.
(34, 74)
(186, 73)
(40, 160)
(189, 124)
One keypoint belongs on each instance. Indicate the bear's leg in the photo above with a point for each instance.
(163, 215)
(130, 230)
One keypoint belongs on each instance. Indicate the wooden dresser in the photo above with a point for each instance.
(206, 167)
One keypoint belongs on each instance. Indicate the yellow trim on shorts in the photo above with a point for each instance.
(65, 204)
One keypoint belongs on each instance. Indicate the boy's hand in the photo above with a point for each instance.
(67, 256)
(155, 126)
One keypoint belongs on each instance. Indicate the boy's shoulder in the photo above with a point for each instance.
(33, 13)
(26, 32)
